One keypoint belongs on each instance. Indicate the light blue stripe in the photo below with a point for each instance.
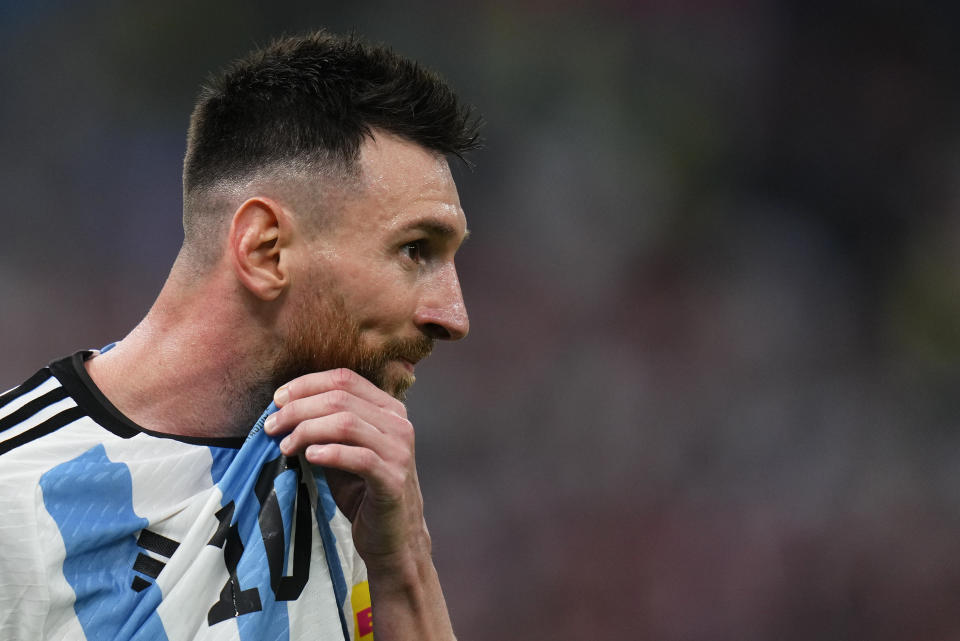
(222, 458)
(236, 479)
(91, 500)
(237, 484)
(273, 622)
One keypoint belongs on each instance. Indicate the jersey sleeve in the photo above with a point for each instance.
(359, 608)
(24, 599)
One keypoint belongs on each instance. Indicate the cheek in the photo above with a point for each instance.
(375, 290)
(378, 302)
(383, 313)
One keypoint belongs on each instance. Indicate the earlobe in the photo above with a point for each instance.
(257, 239)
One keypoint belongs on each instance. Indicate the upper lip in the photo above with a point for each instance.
(417, 353)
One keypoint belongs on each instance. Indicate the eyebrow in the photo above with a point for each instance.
(437, 228)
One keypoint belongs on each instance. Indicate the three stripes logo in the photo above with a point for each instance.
(148, 565)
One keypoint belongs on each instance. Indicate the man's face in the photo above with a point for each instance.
(377, 285)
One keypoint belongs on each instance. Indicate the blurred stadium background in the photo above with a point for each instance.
(711, 389)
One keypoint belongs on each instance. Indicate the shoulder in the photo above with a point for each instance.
(37, 407)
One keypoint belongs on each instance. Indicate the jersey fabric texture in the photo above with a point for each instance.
(112, 532)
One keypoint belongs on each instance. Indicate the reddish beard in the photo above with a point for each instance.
(328, 338)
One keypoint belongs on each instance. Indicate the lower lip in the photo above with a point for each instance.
(407, 365)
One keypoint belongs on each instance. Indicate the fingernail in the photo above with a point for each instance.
(285, 445)
(281, 396)
(315, 451)
(270, 423)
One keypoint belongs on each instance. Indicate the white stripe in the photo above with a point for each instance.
(46, 413)
(33, 529)
(61, 621)
(166, 474)
(315, 615)
(173, 490)
(37, 392)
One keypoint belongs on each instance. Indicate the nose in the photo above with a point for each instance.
(441, 313)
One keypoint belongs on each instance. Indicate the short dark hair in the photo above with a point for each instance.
(314, 98)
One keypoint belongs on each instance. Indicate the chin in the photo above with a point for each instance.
(397, 386)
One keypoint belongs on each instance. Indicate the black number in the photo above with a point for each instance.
(234, 600)
(285, 588)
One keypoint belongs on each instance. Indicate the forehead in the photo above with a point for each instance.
(402, 182)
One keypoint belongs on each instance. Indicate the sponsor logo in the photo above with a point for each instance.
(148, 565)
(362, 612)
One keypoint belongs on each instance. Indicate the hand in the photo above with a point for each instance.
(361, 435)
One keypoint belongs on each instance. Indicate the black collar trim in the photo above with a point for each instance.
(72, 374)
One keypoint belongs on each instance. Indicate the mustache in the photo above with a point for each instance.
(372, 365)
(410, 349)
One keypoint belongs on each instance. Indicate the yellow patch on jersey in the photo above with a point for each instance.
(362, 612)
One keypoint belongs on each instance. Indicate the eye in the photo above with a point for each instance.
(414, 250)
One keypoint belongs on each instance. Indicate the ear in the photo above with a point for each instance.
(259, 234)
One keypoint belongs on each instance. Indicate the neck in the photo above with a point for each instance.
(194, 366)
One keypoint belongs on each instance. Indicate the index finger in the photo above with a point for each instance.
(337, 379)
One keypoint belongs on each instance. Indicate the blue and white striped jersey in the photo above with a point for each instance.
(112, 532)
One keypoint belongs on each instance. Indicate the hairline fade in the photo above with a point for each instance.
(309, 101)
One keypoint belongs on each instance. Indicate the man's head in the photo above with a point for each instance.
(316, 176)
(294, 115)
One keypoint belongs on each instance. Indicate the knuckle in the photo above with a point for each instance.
(398, 408)
(399, 478)
(344, 423)
(367, 459)
(338, 399)
(342, 377)
(296, 412)
(405, 460)
(399, 454)
(406, 430)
